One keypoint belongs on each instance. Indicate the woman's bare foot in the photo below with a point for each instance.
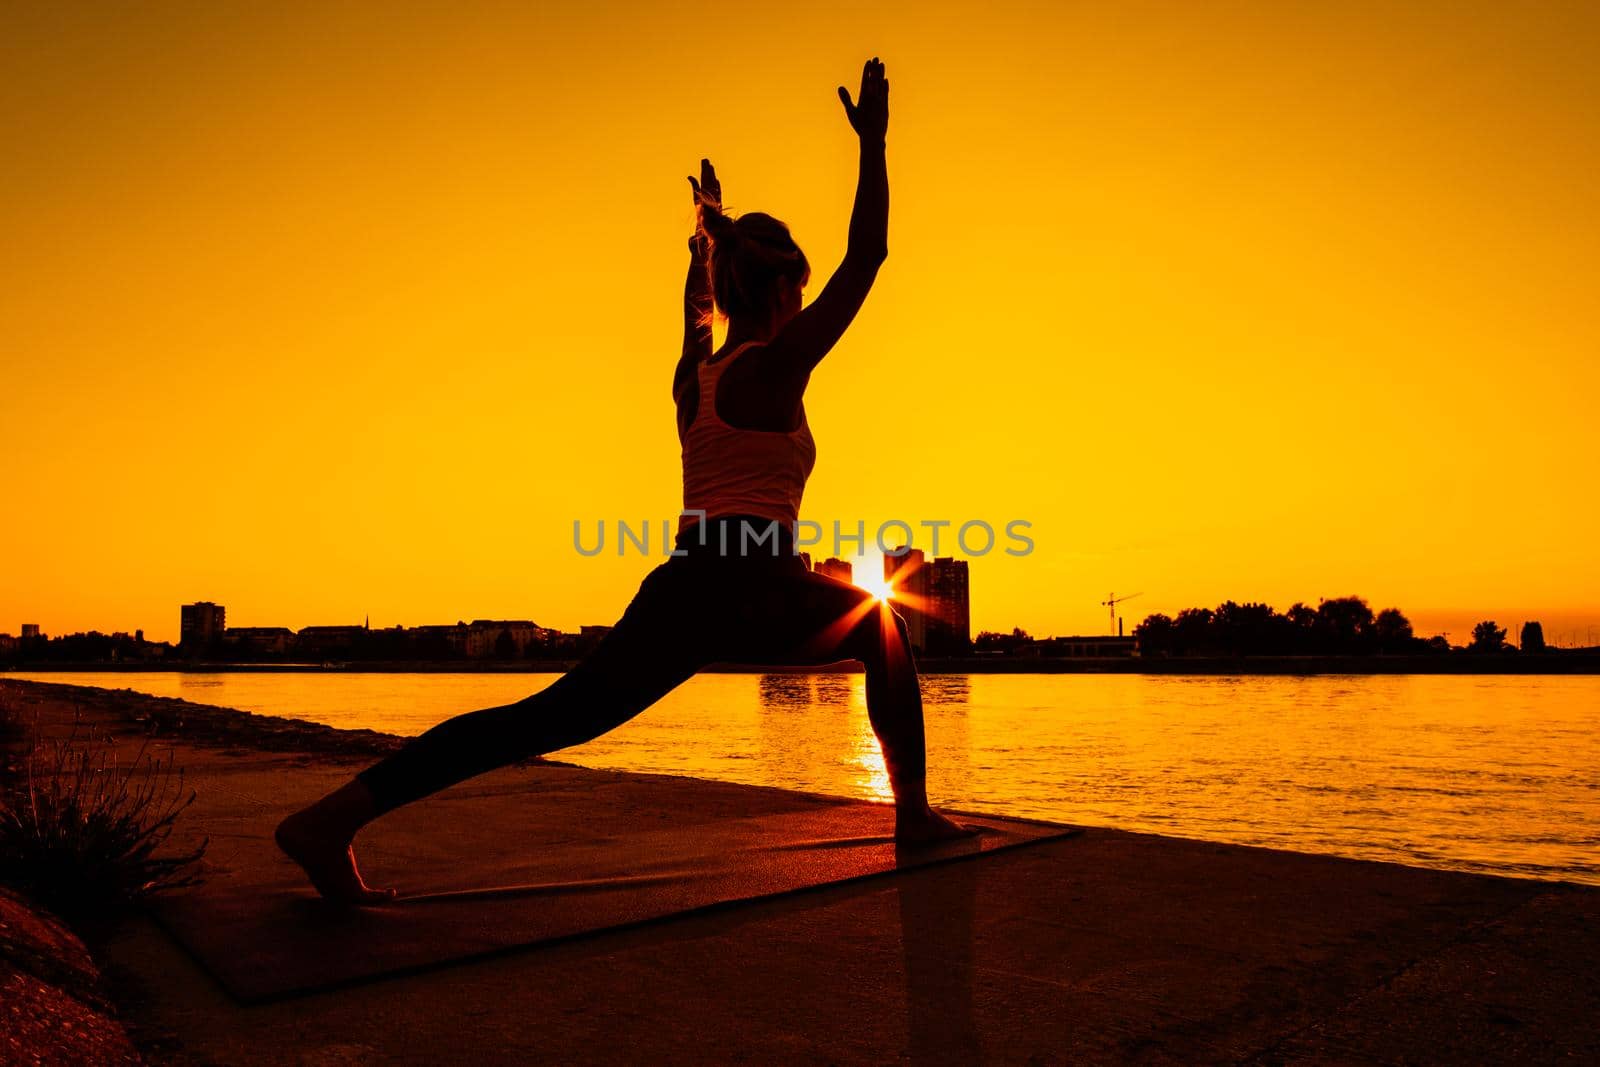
(329, 862)
(927, 827)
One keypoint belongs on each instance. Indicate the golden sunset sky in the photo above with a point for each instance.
(325, 311)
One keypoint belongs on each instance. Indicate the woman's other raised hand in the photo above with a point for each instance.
(707, 190)
(869, 114)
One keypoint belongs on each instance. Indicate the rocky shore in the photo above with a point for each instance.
(170, 718)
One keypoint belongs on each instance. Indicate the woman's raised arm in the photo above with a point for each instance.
(697, 286)
(812, 333)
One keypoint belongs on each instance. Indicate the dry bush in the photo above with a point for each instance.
(82, 833)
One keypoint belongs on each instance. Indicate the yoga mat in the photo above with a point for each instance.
(257, 927)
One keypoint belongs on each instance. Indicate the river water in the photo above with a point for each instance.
(1497, 774)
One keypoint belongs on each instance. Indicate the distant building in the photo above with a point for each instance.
(805, 558)
(906, 572)
(201, 624)
(589, 637)
(836, 568)
(1097, 647)
(438, 642)
(276, 640)
(501, 639)
(319, 640)
(948, 607)
(30, 630)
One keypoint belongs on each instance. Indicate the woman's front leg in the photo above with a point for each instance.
(807, 618)
(894, 706)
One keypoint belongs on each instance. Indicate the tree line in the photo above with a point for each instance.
(1343, 626)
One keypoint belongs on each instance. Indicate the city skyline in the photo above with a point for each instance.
(1575, 637)
(1565, 631)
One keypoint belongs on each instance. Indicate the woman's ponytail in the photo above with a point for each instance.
(749, 257)
(718, 226)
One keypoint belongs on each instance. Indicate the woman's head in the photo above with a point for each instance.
(757, 271)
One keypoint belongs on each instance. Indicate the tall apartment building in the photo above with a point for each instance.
(949, 607)
(909, 576)
(935, 600)
(201, 624)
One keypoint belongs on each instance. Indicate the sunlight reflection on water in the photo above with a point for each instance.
(1476, 773)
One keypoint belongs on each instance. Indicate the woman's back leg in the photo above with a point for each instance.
(654, 648)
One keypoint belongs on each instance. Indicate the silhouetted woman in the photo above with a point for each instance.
(746, 454)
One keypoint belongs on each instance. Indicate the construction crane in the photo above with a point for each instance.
(1111, 601)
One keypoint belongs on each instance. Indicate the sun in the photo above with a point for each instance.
(880, 589)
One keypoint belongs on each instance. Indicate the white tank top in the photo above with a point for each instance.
(729, 471)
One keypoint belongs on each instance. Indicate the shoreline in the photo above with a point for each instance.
(211, 725)
(1555, 663)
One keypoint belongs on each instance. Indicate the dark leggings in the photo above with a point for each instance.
(690, 612)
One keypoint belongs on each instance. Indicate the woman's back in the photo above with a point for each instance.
(732, 470)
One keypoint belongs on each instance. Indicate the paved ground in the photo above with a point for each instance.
(1106, 947)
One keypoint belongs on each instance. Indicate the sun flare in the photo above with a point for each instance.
(880, 589)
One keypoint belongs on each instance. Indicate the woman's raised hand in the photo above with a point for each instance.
(707, 188)
(869, 115)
